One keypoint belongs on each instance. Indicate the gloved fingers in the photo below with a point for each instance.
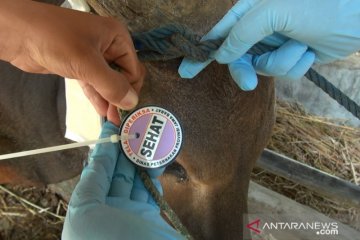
(113, 115)
(275, 40)
(223, 27)
(141, 194)
(156, 172)
(189, 68)
(123, 178)
(95, 179)
(243, 73)
(302, 66)
(253, 26)
(282, 60)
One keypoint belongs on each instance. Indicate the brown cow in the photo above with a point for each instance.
(225, 128)
(32, 115)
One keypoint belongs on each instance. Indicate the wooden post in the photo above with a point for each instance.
(312, 178)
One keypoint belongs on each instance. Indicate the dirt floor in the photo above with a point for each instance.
(30, 213)
(36, 213)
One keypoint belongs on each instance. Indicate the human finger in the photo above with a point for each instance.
(140, 194)
(223, 27)
(302, 66)
(255, 25)
(123, 54)
(281, 60)
(95, 179)
(190, 68)
(113, 115)
(155, 172)
(123, 178)
(243, 73)
(112, 85)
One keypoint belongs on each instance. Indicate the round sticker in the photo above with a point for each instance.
(159, 137)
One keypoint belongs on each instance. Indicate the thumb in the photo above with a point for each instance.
(243, 73)
(112, 85)
(189, 68)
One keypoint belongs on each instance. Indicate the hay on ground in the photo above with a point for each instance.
(322, 144)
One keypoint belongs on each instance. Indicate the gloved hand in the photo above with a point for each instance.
(328, 28)
(111, 202)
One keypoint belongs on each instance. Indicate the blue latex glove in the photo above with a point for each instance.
(330, 28)
(111, 202)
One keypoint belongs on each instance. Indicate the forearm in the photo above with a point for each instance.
(15, 16)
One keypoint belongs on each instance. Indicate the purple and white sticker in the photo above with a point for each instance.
(160, 137)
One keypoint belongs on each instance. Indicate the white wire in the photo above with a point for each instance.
(113, 139)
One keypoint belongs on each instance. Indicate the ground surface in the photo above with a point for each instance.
(25, 213)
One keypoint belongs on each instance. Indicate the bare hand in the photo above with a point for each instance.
(41, 38)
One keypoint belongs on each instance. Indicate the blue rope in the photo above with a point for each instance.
(175, 41)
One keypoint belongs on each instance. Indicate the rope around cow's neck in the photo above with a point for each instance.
(174, 41)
